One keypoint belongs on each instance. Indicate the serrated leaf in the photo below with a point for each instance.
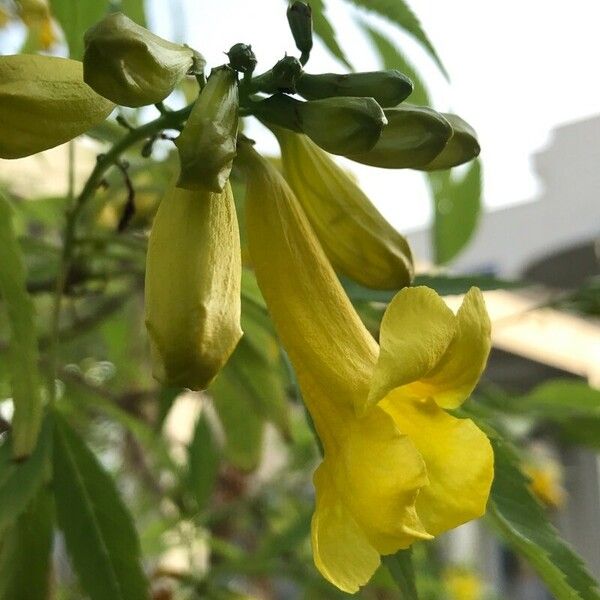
(20, 481)
(25, 552)
(203, 463)
(521, 522)
(392, 58)
(326, 33)
(23, 349)
(457, 206)
(75, 18)
(99, 532)
(400, 13)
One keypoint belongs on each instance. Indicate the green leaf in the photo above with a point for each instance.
(99, 532)
(243, 427)
(25, 552)
(393, 58)
(325, 31)
(19, 482)
(401, 569)
(135, 10)
(520, 520)
(400, 13)
(76, 17)
(203, 463)
(23, 350)
(457, 205)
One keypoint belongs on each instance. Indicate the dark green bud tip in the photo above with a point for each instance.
(241, 58)
(299, 15)
(281, 78)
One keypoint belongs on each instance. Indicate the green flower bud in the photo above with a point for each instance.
(414, 136)
(193, 281)
(207, 143)
(339, 125)
(241, 58)
(130, 65)
(388, 88)
(281, 78)
(44, 102)
(299, 15)
(461, 148)
(358, 241)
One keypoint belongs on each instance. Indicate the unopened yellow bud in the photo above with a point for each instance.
(358, 241)
(413, 137)
(207, 144)
(342, 126)
(131, 66)
(193, 281)
(461, 147)
(44, 102)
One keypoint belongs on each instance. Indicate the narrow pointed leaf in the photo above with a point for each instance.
(457, 209)
(19, 481)
(402, 571)
(326, 32)
(23, 350)
(25, 552)
(99, 532)
(400, 13)
(520, 521)
(203, 463)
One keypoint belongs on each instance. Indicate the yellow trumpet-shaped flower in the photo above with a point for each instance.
(193, 283)
(397, 467)
(358, 241)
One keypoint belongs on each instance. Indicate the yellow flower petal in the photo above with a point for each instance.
(332, 352)
(358, 241)
(416, 330)
(456, 374)
(458, 457)
(341, 550)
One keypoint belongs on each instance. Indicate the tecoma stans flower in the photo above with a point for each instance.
(397, 467)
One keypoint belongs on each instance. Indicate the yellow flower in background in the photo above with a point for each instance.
(547, 482)
(463, 584)
(35, 14)
(397, 467)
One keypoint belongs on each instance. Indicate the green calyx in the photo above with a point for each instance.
(207, 144)
(343, 126)
(131, 66)
(281, 78)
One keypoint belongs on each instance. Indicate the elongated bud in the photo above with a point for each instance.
(281, 78)
(44, 102)
(207, 143)
(339, 125)
(193, 281)
(299, 15)
(358, 241)
(461, 147)
(414, 136)
(131, 66)
(388, 88)
(242, 58)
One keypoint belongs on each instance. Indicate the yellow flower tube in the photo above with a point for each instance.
(193, 281)
(358, 241)
(396, 467)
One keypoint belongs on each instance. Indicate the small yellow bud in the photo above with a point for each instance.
(414, 136)
(358, 241)
(131, 66)
(207, 144)
(44, 102)
(193, 282)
